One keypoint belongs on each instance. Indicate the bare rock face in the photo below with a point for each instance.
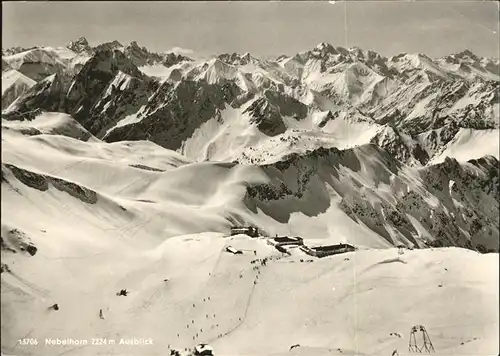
(401, 146)
(268, 112)
(175, 111)
(96, 75)
(81, 45)
(434, 106)
(170, 59)
(469, 203)
(107, 88)
(266, 117)
(140, 56)
(235, 58)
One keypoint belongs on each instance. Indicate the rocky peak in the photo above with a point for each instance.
(324, 48)
(466, 54)
(171, 58)
(140, 55)
(134, 45)
(109, 46)
(90, 84)
(268, 111)
(235, 58)
(80, 45)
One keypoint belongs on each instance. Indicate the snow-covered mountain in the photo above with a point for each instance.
(14, 84)
(125, 168)
(40, 62)
(411, 95)
(406, 96)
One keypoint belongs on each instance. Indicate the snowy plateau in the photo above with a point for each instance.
(124, 170)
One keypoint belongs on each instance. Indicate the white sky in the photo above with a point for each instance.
(261, 28)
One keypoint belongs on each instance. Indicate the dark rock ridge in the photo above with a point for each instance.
(41, 182)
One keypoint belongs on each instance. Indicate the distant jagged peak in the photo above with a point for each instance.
(366, 55)
(325, 47)
(140, 55)
(172, 58)
(135, 47)
(107, 62)
(236, 58)
(466, 54)
(109, 46)
(419, 65)
(410, 57)
(282, 57)
(134, 44)
(80, 41)
(81, 45)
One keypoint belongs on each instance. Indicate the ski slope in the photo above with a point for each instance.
(328, 306)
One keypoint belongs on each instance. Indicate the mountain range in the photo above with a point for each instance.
(123, 171)
(435, 120)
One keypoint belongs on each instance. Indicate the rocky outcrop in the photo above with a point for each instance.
(17, 241)
(81, 45)
(41, 182)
